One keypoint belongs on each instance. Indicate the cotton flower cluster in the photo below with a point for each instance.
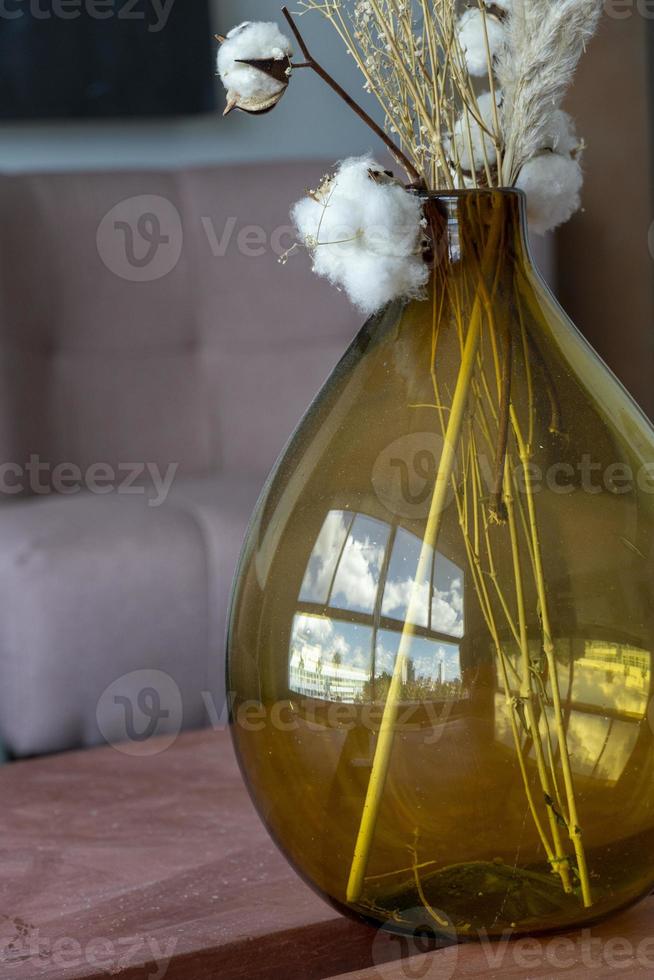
(365, 233)
(552, 178)
(254, 66)
(472, 141)
(477, 40)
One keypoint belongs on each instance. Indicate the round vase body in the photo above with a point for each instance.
(439, 652)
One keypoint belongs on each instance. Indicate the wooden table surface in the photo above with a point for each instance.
(136, 867)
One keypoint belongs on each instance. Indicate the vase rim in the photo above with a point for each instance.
(455, 194)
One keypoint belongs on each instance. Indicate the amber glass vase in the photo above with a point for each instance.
(441, 631)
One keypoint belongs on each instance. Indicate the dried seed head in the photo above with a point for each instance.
(254, 63)
(253, 105)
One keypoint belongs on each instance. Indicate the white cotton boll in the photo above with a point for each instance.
(365, 235)
(250, 41)
(372, 280)
(470, 136)
(472, 38)
(561, 134)
(552, 183)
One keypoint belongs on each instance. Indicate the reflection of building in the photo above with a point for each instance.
(608, 688)
(353, 606)
(329, 682)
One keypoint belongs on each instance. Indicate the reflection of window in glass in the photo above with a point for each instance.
(599, 747)
(610, 675)
(429, 662)
(330, 660)
(356, 590)
(608, 686)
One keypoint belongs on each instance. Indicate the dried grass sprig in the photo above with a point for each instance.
(545, 40)
(411, 59)
(422, 60)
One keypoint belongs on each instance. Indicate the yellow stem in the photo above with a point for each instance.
(574, 829)
(447, 462)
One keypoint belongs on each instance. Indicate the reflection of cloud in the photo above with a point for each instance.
(318, 639)
(322, 564)
(620, 745)
(447, 610)
(446, 599)
(446, 607)
(397, 597)
(431, 661)
(357, 579)
(329, 659)
(599, 747)
(620, 688)
(349, 552)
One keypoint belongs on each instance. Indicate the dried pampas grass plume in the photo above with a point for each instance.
(545, 40)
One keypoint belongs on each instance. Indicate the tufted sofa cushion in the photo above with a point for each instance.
(105, 361)
(144, 319)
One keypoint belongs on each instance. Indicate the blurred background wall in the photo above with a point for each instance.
(309, 123)
(602, 266)
(605, 256)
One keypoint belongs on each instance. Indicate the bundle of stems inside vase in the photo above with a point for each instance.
(418, 60)
(480, 418)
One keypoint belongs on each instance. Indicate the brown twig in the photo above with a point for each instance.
(498, 510)
(361, 113)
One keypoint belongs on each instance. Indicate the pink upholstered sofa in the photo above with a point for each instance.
(142, 324)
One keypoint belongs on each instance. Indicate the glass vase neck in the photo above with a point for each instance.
(466, 224)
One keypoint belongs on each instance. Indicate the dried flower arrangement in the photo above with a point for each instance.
(472, 100)
(427, 63)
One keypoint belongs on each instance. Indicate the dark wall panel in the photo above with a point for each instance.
(105, 58)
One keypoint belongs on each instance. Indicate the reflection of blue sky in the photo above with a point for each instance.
(344, 572)
(447, 600)
(357, 578)
(402, 571)
(447, 597)
(324, 557)
(330, 660)
(432, 661)
(319, 639)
